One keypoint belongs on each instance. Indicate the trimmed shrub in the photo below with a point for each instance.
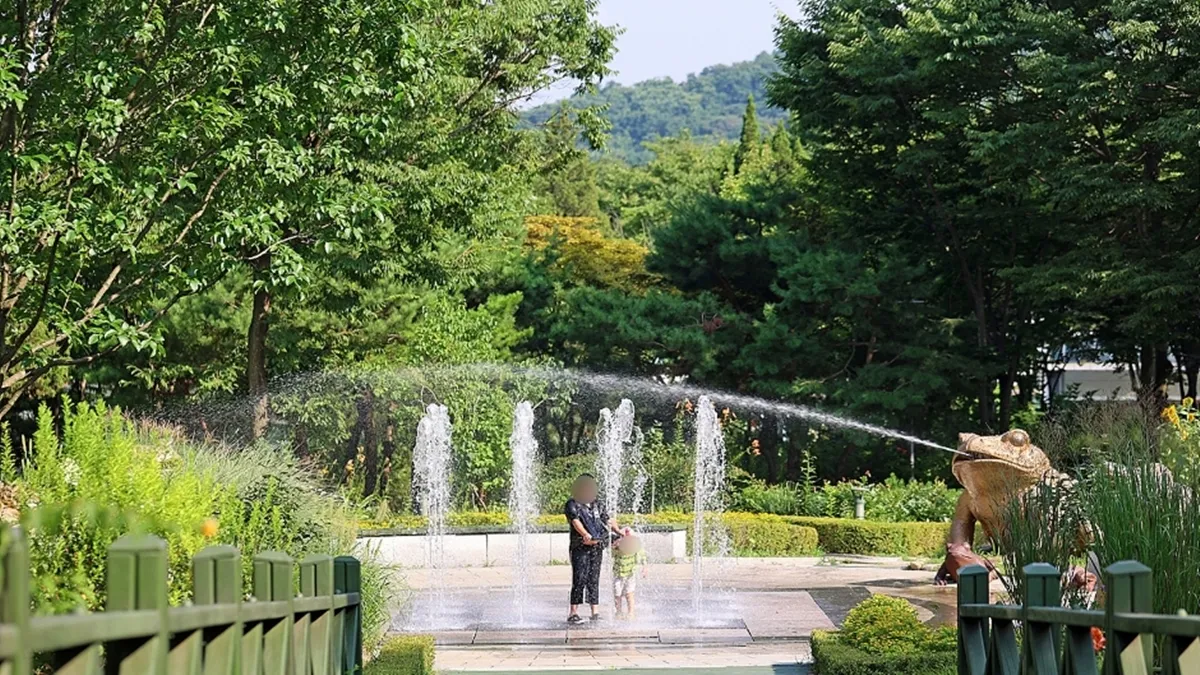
(833, 657)
(884, 625)
(865, 537)
(758, 534)
(403, 655)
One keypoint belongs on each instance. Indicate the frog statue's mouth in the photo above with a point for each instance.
(1012, 449)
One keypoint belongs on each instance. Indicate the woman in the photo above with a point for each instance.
(590, 527)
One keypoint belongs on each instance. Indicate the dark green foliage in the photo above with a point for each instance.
(751, 138)
(403, 655)
(708, 104)
(834, 658)
(893, 500)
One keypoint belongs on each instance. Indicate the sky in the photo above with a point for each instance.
(673, 38)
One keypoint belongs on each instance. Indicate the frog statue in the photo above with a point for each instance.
(994, 470)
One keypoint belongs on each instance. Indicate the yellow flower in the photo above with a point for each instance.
(1187, 403)
(1171, 414)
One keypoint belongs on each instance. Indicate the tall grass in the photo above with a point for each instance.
(103, 475)
(1132, 506)
(1139, 513)
(1045, 525)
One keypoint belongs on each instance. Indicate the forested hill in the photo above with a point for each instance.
(710, 105)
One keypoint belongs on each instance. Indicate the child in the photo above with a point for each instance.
(628, 558)
(590, 526)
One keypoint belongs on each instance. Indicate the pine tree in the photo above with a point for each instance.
(750, 139)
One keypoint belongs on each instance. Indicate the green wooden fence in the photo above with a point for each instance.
(1057, 640)
(274, 632)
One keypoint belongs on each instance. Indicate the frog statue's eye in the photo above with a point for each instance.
(1016, 438)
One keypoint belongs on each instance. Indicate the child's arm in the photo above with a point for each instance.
(642, 561)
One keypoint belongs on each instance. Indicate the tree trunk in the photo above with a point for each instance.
(370, 448)
(387, 452)
(256, 349)
(1154, 376)
(768, 446)
(1189, 361)
(1006, 399)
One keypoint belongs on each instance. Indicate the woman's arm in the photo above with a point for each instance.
(587, 536)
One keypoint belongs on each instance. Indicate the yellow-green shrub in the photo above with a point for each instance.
(756, 534)
(884, 625)
(865, 537)
(403, 655)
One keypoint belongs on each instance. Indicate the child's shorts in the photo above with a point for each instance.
(624, 585)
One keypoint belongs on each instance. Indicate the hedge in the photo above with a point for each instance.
(867, 537)
(758, 534)
(834, 658)
(403, 655)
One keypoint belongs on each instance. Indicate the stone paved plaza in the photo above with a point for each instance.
(760, 619)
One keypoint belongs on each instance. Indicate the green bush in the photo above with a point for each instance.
(832, 657)
(403, 655)
(893, 500)
(103, 476)
(760, 534)
(884, 625)
(865, 537)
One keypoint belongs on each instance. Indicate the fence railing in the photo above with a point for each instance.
(275, 632)
(1055, 639)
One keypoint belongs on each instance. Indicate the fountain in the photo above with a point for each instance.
(472, 603)
(431, 476)
(619, 443)
(523, 501)
(708, 533)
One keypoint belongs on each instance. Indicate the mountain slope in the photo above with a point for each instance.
(709, 104)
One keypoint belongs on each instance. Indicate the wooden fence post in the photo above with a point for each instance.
(137, 580)
(1130, 588)
(14, 599)
(347, 578)
(972, 633)
(1039, 653)
(316, 581)
(217, 580)
(273, 583)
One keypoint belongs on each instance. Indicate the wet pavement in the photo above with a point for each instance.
(755, 617)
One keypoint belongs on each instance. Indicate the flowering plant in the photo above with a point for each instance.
(1181, 440)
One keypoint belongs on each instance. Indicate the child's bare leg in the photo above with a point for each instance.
(629, 603)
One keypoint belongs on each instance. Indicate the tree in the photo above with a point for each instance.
(567, 182)
(1038, 153)
(119, 145)
(750, 139)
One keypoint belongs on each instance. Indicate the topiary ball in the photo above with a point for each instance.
(884, 625)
